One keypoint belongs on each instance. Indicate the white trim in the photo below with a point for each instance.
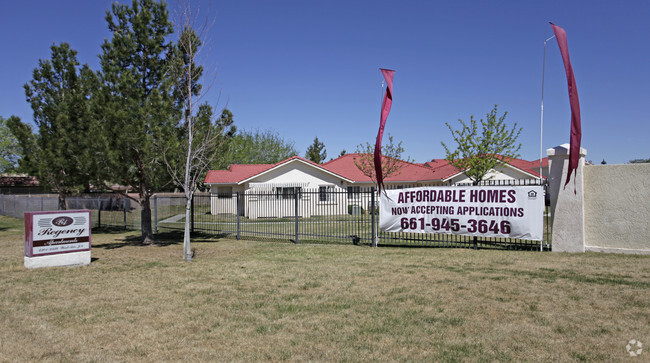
(503, 163)
(276, 185)
(287, 163)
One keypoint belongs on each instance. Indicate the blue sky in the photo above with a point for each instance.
(310, 68)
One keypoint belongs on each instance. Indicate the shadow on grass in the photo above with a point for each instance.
(162, 239)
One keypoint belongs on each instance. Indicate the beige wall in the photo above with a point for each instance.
(617, 207)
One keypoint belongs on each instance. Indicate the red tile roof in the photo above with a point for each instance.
(345, 167)
(240, 172)
(410, 172)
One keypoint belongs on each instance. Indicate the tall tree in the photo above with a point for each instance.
(10, 151)
(202, 138)
(137, 104)
(258, 147)
(316, 152)
(391, 159)
(61, 151)
(481, 149)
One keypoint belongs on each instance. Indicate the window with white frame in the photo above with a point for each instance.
(354, 192)
(325, 193)
(287, 192)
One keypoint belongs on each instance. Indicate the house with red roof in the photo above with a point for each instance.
(330, 188)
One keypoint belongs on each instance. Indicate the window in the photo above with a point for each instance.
(287, 192)
(325, 193)
(354, 192)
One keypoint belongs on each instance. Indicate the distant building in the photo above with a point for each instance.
(20, 184)
(283, 180)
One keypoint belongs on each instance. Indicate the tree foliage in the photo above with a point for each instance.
(256, 147)
(391, 160)
(316, 152)
(61, 154)
(10, 150)
(480, 149)
(639, 161)
(137, 106)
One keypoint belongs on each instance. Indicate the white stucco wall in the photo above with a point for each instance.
(298, 172)
(617, 208)
(224, 205)
(567, 203)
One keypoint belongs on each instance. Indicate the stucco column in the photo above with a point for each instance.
(567, 203)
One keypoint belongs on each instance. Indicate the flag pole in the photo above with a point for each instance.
(541, 126)
(541, 123)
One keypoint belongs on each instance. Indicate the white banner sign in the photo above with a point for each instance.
(488, 211)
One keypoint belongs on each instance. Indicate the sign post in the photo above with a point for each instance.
(57, 238)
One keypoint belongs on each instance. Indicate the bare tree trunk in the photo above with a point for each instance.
(62, 202)
(187, 185)
(145, 216)
(187, 249)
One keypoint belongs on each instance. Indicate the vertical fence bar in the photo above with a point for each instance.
(237, 206)
(99, 213)
(124, 210)
(155, 214)
(296, 214)
(372, 217)
(192, 215)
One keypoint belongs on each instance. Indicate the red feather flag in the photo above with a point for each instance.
(385, 109)
(576, 128)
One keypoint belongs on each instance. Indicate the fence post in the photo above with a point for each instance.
(124, 210)
(237, 213)
(372, 217)
(192, 214)
(296, 215)
(99, 213)
(155, 214)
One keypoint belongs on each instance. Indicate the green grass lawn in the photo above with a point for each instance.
(251, 301)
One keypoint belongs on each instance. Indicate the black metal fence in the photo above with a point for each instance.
(325, 215)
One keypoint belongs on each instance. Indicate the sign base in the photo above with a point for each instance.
(63, 259)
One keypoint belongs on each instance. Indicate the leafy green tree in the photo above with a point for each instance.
(61, 153)
(316, 152)
(10, 151)
(391, 161)
(639, 161)
(482, 148)
(26, 144)
(137, 106)
(343, 152)
(258, 147)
